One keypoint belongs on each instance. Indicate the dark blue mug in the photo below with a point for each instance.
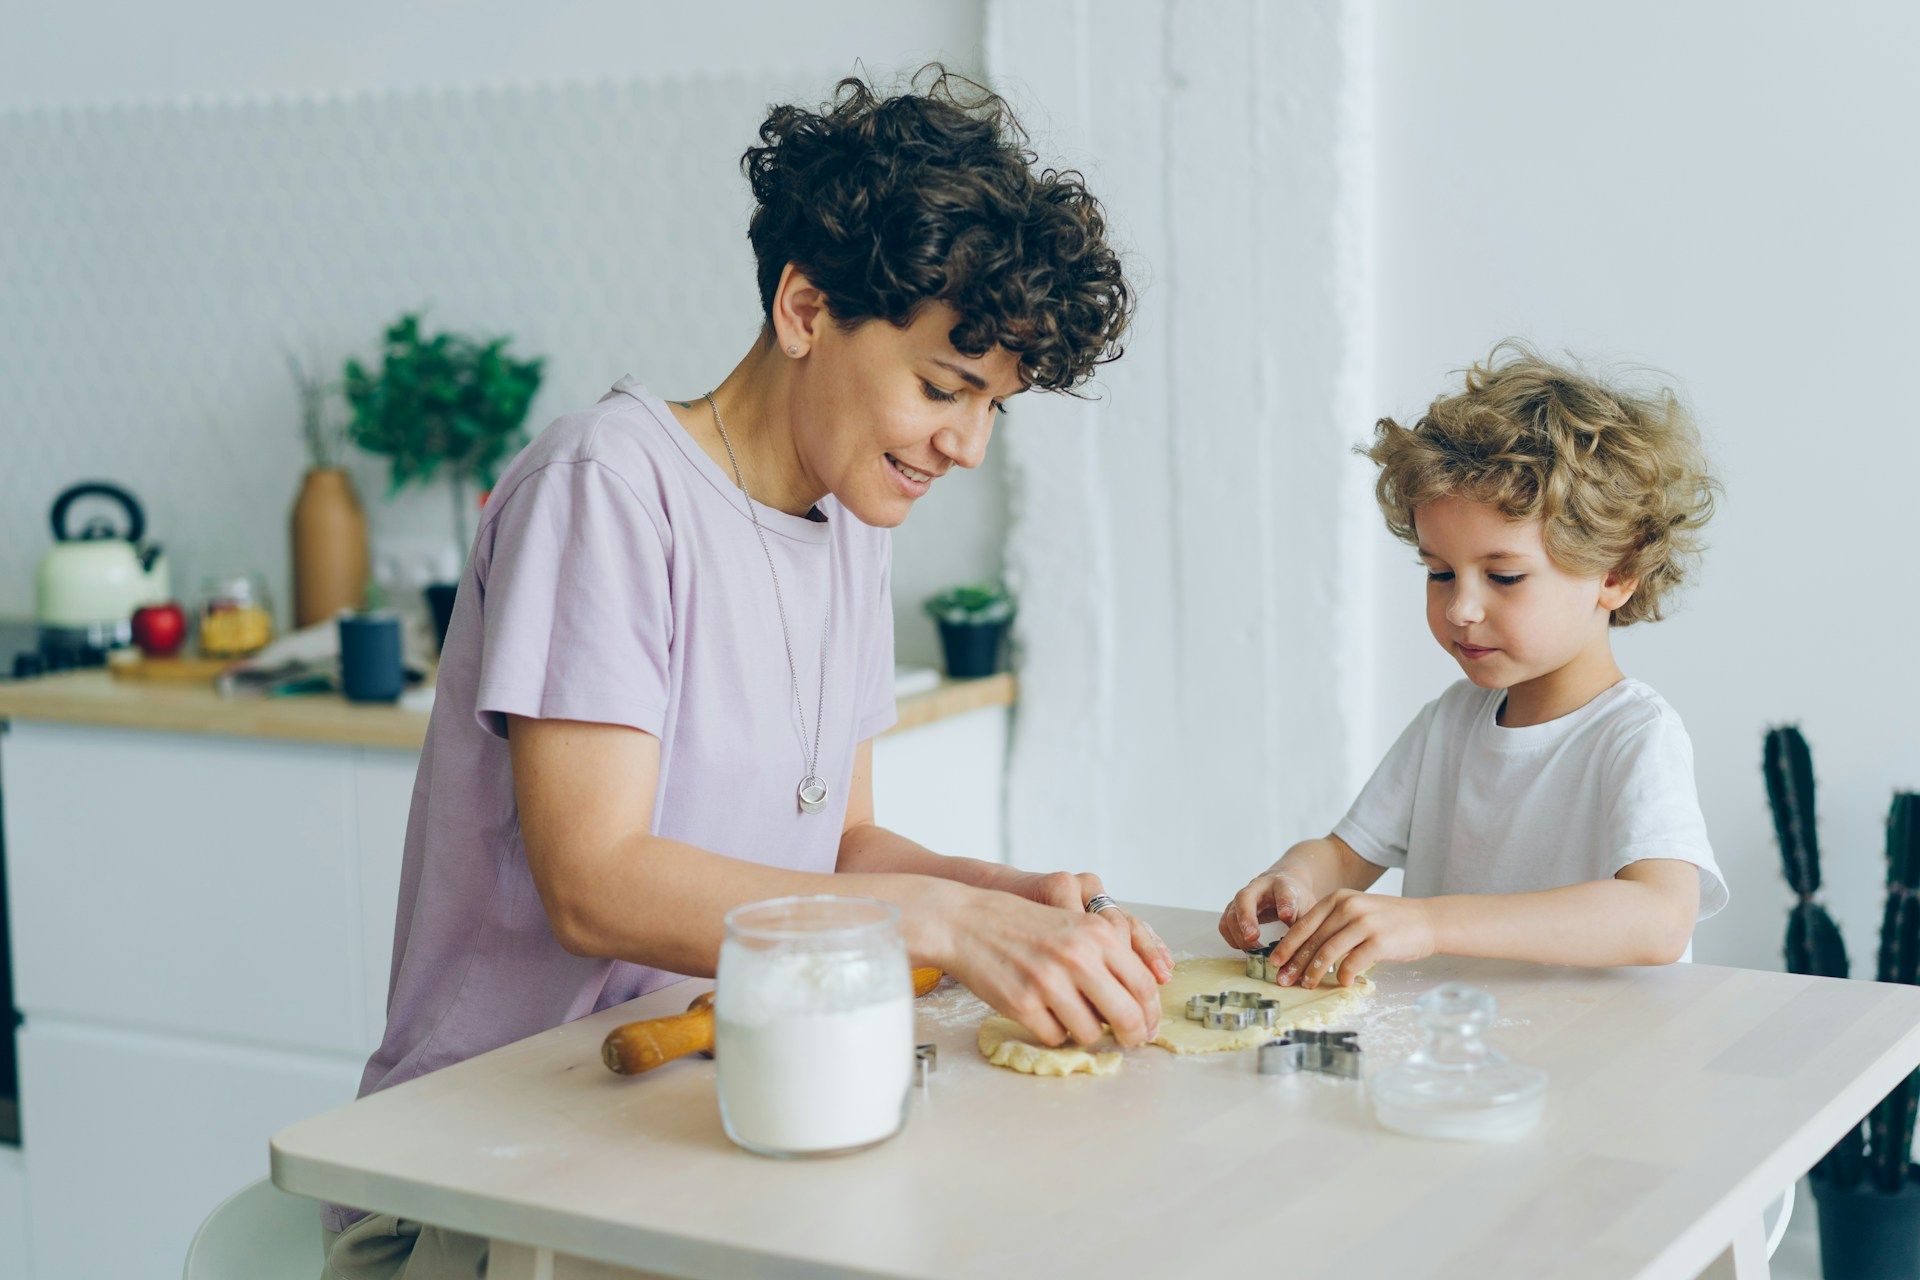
(370, 667)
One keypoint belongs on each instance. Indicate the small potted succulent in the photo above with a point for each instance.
(442, 404)
(1867, 1187)
(974, 621)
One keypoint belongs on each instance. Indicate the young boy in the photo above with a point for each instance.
(1544, 807)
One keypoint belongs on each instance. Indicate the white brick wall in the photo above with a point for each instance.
(1195, 625)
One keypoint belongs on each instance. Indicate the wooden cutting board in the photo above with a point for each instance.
(133, 665)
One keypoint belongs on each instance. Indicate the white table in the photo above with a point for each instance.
(1682, 1101)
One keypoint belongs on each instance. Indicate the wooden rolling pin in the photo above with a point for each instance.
(641, 1046)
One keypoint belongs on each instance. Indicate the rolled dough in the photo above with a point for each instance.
(1005, 1043)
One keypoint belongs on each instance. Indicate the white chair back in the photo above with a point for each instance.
(258, 1233)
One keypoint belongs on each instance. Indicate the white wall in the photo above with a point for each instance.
(89, 52)
(1727, 192)
(1194, 668)
(187, 190)
(1219, 638)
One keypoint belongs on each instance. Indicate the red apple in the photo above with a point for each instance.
(159, 629)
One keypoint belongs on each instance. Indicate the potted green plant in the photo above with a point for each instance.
(442, 405)
(974, 621)
(1867, 1186)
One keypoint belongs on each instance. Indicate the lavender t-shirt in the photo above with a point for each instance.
(616, 578)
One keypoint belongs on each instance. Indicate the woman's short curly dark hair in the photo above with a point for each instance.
(889, 203)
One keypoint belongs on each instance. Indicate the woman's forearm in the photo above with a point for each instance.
(660, 903)
(867, 848)
(1599, 923)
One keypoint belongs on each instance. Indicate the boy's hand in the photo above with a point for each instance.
(1346, 933)
(1273, 895)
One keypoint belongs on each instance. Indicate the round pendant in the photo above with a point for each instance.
(813, 794)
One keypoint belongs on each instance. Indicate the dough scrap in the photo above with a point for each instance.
(1005, 1043)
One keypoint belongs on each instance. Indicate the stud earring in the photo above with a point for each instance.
(793, 351)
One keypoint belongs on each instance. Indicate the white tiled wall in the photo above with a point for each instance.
(157, 259)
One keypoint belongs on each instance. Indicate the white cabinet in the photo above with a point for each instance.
(184, 883)
(13, 1215)
(190, 917)
(944, 785)
(130, 1138)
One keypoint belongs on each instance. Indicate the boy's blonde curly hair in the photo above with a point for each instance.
(1618, 479)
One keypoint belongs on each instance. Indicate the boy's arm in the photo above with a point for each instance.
(1286, 891)
(1644, 915)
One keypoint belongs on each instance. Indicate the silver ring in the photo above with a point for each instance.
(1099, 902)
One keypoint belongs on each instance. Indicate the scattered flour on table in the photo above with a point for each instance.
(952, 1005)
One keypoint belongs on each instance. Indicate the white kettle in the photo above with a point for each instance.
(90, 583)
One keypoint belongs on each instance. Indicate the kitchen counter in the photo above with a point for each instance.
(97, 698)
(1682, 1100)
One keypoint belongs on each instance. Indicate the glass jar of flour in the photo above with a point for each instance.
(813, 1025)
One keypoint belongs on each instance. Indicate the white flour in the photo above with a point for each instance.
(814, 1050)
(816, 1081)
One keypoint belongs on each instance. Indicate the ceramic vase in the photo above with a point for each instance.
(329, 547)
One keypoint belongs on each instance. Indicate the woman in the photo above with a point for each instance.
(673, 643)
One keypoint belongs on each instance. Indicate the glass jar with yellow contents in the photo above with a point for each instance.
(236, 617)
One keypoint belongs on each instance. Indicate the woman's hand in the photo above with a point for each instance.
(1073, 892)
(1058, 971)
(1269, 896)
(1347, 932)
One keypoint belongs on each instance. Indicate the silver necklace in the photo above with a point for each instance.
(812, 791)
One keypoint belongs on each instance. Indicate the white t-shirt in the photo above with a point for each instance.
(1470, 806)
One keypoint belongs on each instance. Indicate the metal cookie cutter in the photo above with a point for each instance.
(1228, 1018)
(1260, 963)
(1198, 1007)
(926, 1060)
(1262, 1012)
(1327, 1053)
(1233, 1010)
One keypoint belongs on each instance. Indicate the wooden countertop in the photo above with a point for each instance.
(1681, 1101)
(96, 698)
